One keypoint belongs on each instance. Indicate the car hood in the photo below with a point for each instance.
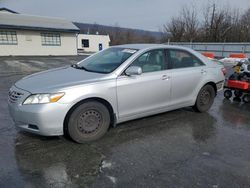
(55, 79)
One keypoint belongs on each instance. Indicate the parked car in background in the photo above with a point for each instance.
(118, 84)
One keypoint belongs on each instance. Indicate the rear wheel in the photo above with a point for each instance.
(88, 122)
(228, 94)
(204, 99)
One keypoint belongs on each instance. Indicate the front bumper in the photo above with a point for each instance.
(42, 119)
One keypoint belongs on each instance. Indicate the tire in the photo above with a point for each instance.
(246, 98)
(88, 122)
(204, 99)
(228, 94)
(238, 93)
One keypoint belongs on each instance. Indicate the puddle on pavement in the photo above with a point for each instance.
(55, 161)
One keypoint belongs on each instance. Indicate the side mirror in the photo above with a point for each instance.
(133, 70)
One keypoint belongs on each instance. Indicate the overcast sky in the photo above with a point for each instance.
(142, 14)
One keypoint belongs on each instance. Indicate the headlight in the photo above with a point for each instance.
(43, 98)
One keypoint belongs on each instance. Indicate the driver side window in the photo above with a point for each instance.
(151, 61)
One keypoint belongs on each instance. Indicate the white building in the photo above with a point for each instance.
(35, 35)
(92, 43)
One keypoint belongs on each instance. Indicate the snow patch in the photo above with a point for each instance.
(19, 66)
(112, 179)
(39, 63)
(106, 164)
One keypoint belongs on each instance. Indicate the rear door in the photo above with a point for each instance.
(146, 92)
(187, 75)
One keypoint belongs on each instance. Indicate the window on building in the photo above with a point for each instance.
(51, 39)
(85, 43)
(8, 37)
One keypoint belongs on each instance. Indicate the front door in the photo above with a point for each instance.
(146, 92)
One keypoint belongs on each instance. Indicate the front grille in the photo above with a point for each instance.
(14, 96)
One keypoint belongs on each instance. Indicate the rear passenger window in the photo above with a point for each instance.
(182, 59)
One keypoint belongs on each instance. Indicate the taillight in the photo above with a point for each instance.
(224, 71)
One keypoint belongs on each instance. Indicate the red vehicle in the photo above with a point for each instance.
(239, 83)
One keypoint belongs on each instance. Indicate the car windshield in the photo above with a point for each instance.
(106, 61)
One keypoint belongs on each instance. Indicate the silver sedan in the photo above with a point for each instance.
(115, 85)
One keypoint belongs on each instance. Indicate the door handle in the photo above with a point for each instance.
(165, 77)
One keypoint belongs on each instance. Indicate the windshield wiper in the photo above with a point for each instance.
(76, 66)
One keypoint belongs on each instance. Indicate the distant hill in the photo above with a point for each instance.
(111, 30)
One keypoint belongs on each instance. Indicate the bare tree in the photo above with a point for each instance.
(184, 27)
(218, 25)
(147, 38)
(116, 35)
(175, 28)
(191, 23)
(129, 36)
(245, 26)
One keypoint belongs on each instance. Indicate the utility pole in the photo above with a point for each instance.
(212, 19)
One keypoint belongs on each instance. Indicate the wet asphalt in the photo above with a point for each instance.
(176, 149)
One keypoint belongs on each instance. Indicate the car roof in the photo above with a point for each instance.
(143, 47)
(149, 46)
(140, 46)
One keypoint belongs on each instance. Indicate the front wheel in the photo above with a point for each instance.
(204, 99)
(88, 122)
